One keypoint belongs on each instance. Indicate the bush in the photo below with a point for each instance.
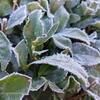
(50, 50)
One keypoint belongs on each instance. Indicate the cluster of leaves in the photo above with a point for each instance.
(49, 49)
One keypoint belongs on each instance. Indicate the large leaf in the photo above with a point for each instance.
(34, 6)
(65, 62)
(5, 51)
(33, 28)
(42, 39)
(38, 83)
(62, 16)
(75, 33)
(21, 54)
(86, 54)
(14, 86)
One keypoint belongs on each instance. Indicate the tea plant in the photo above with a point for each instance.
(50, 49)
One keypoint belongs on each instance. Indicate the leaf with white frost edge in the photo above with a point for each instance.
(34, 6)
(61, 16)
(85, 54)
(55, 88)
(5, 50)
(65, 62)
(75, 33)
(14, 86)
(17, 17)
(38, 83)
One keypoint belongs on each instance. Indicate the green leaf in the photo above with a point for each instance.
(5, 7)
(55, 88)
(14, 86)
(75, 33)
(85, 54)
(21, 54)
(17, 17)
(57, 76)
(38, 83)
(33, 28)
(45, 5)
(34, 6)
(74, 18)
(65, 62)
(61, 16)
(2, 74)
(61, 41)
(46, 69)
(43, 39)
(47, 23)
(96, 25)
(24, 2)
(5, 51)
(83, 9)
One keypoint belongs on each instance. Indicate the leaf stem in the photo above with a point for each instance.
(40, 2)
(14, 5)
(4, 24)
(93, 84)
(55, 7)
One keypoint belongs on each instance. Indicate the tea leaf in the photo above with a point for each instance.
(17, 17)
(38, 83)
(14, 86)
(75, 33)
(65, 62)
(5, 51)
(61, 16)
(86, 54)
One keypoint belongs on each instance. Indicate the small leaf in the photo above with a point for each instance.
(61, 16)
(47, 23)
(34, 6)
(14, 86)
(5, 7)
(17, 17)
(5, 51)
(45, 5)
(75, 33)
(74, 18)
(57, 76)
(65, 62)
(43, 39)
(62, 42)
(21, 54)
(55, 88)
(85, 54)
(38, 83)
